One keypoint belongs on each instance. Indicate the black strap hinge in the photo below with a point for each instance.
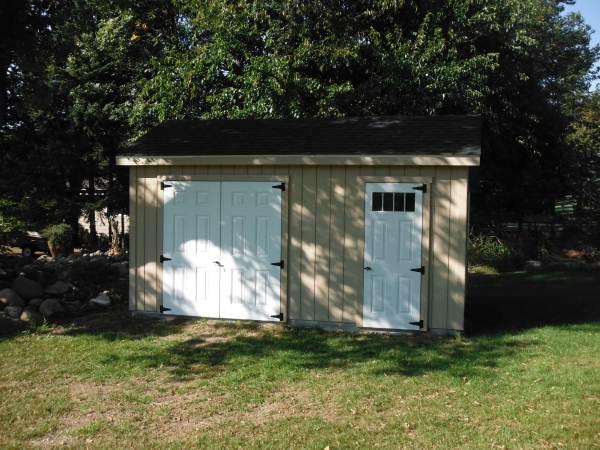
(163, 259)
(278, 316)
(163, 185)
(419, 323)
(421, 188)
(280, 264)
(280, 186)
(163, 309)
(420, 269)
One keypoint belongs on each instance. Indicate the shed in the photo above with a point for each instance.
(346, 223)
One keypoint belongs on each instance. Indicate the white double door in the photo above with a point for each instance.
(222, 239)
(392, 272)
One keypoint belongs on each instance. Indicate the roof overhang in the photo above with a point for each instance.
(303, 160)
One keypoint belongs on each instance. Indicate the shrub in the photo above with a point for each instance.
(489, 251)
(60, 236)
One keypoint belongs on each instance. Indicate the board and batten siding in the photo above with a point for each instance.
(325, 223)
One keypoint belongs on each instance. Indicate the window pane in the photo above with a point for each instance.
(388, 201)
(410, 202)
(377, 201)
(398, 201)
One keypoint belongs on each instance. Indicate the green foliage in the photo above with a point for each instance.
(60, 235)
(85, 78)
(489, 251)
(503, 255)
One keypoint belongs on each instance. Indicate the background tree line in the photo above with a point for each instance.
(83, 78)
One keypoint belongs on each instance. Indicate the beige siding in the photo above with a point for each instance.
(324, 250)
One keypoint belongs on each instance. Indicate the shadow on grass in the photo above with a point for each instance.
(247, 352)
(512, 302)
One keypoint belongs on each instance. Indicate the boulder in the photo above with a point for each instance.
(63, 261)
(36, 302)
(24, 261)
(8, 297)
(51, 308)
(72, 308)
(101, 300)
(58, 288)
(9, 325)
(119, 269)
(13, 311)
(29, 316)
(27, 289)
(53, 265)
(533, 265)
(37, 275)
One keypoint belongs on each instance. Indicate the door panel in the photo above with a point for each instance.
(222, 238)
(191, 240)
(251, 242)
(393, 234)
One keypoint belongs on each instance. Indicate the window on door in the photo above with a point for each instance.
(393, 201)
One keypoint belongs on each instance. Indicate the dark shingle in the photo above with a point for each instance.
(390, 135)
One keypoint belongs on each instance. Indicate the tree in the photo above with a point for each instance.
(584, 139)
(114, 69)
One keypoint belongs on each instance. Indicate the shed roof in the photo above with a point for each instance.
(384, 135)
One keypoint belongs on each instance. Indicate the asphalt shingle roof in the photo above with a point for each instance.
(388, 135)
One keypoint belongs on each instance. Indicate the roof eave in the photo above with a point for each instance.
(442, 159)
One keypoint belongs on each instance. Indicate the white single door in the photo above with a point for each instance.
(250, 245)
(191, 240)
(392, 276)
(222, 239)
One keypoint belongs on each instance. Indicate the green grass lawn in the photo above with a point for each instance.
(112, 380)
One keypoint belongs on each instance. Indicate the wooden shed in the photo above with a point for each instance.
(348, 223)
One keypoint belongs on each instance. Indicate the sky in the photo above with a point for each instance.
(590, 10)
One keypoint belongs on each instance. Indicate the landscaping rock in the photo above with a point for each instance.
(72, 308)
(29, 316)
(51, 308)
(533, 265)
(8, 297)
(120, 269)
(36, 302)
(36, 275)
(22, 262)
(13, 311)
(58, 288)
(101, 300)
(27, 289)
(9, 325)
(53, 265)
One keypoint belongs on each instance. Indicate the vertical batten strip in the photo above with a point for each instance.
(151, 241)
(336, 244)
(458, 249)
(133, 262)
(441, 230)
(140, 259)
(295, 250)
(323, 227)
(285, 240)
(307, 269)
(354, 226)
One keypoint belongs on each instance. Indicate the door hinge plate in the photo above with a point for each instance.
(280, 186)
(419, 323)
(278, 316)
(163, 259)
(163, 309)
(419, 269)
(421, 188)
(163, 185)
(280, 264)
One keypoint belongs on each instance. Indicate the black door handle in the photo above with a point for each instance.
(367, 268)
